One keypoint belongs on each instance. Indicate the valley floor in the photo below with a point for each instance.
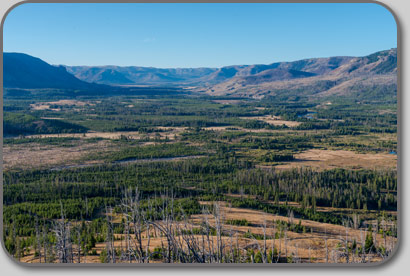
(168, 179)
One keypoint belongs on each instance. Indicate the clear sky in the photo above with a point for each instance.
(196, 35)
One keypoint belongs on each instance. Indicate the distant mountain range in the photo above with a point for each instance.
(318, 77)
(309, 77)
(133, 75)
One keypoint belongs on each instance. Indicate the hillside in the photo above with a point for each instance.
(355, 76)
(24, 71)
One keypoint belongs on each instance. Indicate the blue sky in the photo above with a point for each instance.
(196, 35)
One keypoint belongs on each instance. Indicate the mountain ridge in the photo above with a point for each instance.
(340, 75)
(334, 76)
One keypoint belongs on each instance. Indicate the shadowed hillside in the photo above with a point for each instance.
(24, 71)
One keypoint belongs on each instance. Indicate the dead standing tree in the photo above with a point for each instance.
(109, 239)
(126, 207)
(63, 241)
(137, 222)
(192, 243)
(217, 214)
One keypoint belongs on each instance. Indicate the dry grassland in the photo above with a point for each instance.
(273, 120)
(40, 156)
(228, 101)
(47, 105)
(305, 247)
(330, 159)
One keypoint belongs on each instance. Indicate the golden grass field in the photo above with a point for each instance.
(305, 247)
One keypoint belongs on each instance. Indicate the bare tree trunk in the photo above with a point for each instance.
(264, 255)
(218, 226)
(110, 237)
(63, 243)
(148, 242)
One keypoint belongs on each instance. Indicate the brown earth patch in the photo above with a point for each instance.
(167, 132)
(235, 128)
(227, 101)
(329, 159)
(40, 156)
(47, 105)
(273, 120)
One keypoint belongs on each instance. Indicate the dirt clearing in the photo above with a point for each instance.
(40, 156)
(48, 105)
(228, 101)
(165, 132)
(273, 120)
(330, 159)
